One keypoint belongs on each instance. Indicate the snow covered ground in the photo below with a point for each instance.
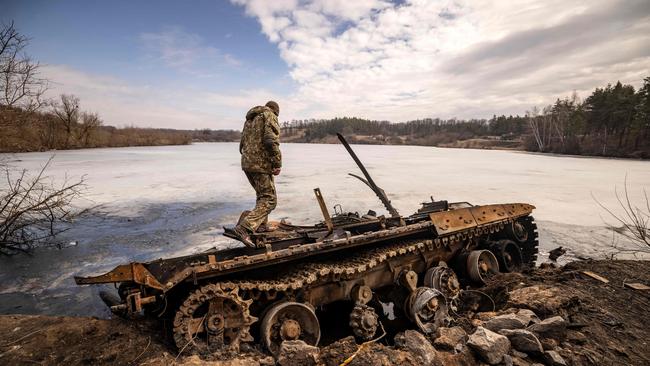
(152, 202)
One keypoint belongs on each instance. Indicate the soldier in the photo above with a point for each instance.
(260, 160)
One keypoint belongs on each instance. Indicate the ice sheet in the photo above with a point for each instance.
(164, 201)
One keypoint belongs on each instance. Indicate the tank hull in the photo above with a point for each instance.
(313, 266)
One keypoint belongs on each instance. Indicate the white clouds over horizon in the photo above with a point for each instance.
(381, 60)
(374, 59)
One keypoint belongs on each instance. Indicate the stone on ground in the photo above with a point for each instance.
(506, 321)
(490, 346)
(507, 360)
(296, 353)
(450, 339)
(554, 327)
(519, 354)
(523, 340)
(417, 344)
(528, 316)
(554, 359)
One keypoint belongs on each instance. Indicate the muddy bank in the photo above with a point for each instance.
(551, 316)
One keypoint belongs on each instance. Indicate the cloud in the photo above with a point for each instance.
(121, 103)
(455, 58)
(186, 52)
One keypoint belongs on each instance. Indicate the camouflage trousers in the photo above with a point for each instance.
(265, 202)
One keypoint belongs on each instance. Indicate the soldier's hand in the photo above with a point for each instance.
(276, 171)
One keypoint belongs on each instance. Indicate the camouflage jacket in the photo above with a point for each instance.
(260, 141)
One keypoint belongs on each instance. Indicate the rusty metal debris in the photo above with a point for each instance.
(222, 298)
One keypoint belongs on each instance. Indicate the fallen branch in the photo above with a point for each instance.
(21, 338)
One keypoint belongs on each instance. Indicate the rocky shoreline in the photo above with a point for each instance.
(548, 316)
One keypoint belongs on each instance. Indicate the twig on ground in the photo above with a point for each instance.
(143, 351)
(190, 341)
(21, 338)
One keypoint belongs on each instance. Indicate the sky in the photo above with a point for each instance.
(204, 63)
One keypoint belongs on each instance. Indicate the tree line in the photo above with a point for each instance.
(63, 125)
(612, 121)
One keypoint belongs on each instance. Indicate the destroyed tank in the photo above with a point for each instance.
(219, 299)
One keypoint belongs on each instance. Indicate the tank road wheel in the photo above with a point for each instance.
(364, 321)
(427, 308)
(508, 254)
(443, 279)
(211, 319)
(523, 231)
(289, 321)
(481, 264)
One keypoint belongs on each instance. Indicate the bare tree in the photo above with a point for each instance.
(541, 127)
(634, 222)
(20, 83)
(32, 210)
(89, 123)
(67, 112)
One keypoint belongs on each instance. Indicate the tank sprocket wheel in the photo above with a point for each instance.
(287, 321)
(529, 247)
(364, 321)
(211, 319)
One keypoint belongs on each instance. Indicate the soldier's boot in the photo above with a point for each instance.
(243, 236)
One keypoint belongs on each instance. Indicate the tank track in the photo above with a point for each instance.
(530, 248)
(307, 274)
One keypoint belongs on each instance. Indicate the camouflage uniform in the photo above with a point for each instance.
(260, 155)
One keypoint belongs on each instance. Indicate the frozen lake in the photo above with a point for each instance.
(162, 201)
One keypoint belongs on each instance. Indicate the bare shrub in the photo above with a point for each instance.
(634, 222)
(90, 122)
(33, 210)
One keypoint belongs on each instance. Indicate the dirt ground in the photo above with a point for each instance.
(612, 317)
(607, 325)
